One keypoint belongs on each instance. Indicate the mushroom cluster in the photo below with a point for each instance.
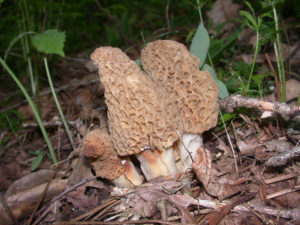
(152, 114)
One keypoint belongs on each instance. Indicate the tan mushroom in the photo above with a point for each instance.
(143, 119)
(170, 64)
(98, 147)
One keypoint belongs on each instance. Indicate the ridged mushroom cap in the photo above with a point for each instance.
(141, 115)
(170, 64)
(98, 146)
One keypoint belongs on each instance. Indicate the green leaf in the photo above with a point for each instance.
(228, 116)
(222, 87)
(50, 42)
(249, 19)
(37, 161)
(1, 1)
(138, 61)
(223, 90)
(200, 44)
(249, 6)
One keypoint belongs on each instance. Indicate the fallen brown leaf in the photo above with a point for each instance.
(23, 203)
(30, 181)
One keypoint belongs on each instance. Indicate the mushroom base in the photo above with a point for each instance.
(188, 146)
(155, 163)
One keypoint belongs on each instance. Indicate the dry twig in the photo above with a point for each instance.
(283, 192)
(283, 158)
(119, 222)
(230, 103)
(280, 178)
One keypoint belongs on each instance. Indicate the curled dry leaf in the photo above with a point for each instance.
(247, 146)
(209, 176)
(83, 202)
(146, 198)
(202, 165)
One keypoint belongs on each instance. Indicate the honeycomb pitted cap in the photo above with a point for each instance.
(170, 64)
(98, 146)
(141, 114)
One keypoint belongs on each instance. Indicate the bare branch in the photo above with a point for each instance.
(283, 158)
(228, 104)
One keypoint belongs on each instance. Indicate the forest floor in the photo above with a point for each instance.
(251, 165)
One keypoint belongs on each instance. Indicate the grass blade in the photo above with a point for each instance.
(34, 109)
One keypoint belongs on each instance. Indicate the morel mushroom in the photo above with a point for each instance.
(170, 64)
(98, 147)
(143, 119)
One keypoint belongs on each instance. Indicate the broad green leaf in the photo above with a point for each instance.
(200, 44)
(228, 116)
(1, 1)
(223, 90)
(36, 161)
(222, 87)
(50, 42)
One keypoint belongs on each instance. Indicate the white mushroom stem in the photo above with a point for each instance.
(155, 163)
(188, 147)
(168, 158)
(123, 182)
(130, 178)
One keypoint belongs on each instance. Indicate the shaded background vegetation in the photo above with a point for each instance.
(135, 22)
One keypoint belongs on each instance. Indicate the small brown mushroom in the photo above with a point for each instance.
(143, 119)
(171, 65)
(98, 147)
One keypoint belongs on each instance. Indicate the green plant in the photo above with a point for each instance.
(52, 42)
(49, 42)
(33, 107)
(254, 23)
(199, 47)
(39, 155)
(11, 119)
(279, 56)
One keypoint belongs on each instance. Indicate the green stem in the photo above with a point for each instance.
(37, 96)
(33, 107)
(279, 57)
(199, 10)
(26, 45)
(253, 63)
(57, 103)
